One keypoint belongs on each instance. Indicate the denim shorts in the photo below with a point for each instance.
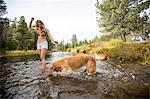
(41, 45)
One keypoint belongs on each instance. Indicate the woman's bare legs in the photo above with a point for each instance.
(42, 53)
(42, 56)
(39, 52)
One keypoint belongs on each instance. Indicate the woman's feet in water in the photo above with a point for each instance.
(42, 64)
(42, 70)
(42, 75)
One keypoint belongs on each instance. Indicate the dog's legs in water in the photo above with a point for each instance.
(66, 71)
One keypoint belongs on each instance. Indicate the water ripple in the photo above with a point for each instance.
(23, 80)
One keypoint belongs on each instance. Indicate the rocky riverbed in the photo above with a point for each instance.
(20, 79)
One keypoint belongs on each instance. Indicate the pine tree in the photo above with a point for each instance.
(11, 42)
(4, 23)
(62, 46)
(23, 37)
(74, 41)
(121, 17)
(3, 8)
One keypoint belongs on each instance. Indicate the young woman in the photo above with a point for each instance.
(42, 44)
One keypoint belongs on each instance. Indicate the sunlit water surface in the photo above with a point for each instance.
(20, 78)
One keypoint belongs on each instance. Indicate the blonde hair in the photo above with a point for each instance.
(39, 21)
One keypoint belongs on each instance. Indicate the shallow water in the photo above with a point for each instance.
(20, 78)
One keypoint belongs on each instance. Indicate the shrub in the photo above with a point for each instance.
(134, 52)
(115, 42)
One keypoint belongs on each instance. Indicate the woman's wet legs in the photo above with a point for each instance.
(42, 56)
(42, 53)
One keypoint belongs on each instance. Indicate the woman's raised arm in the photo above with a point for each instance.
(31, 22)
(31, 28)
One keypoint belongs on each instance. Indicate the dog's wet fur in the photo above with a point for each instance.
(74, 62)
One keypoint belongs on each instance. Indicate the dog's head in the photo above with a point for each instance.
(51, 68)
(91, 67)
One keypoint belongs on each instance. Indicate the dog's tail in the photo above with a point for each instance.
(101, 57)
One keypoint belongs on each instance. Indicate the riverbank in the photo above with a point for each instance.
(19, 53)
(118, 51)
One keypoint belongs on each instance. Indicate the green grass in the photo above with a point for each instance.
(133, 52)
(119, 51)
(115, 42)
(18, 53)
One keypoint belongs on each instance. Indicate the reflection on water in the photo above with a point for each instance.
(21, 79)
(58, 55)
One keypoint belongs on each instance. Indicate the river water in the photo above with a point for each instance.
(20, 78)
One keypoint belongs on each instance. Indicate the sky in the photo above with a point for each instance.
(63, 18)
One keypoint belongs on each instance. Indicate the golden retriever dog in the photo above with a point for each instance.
(74, 62)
